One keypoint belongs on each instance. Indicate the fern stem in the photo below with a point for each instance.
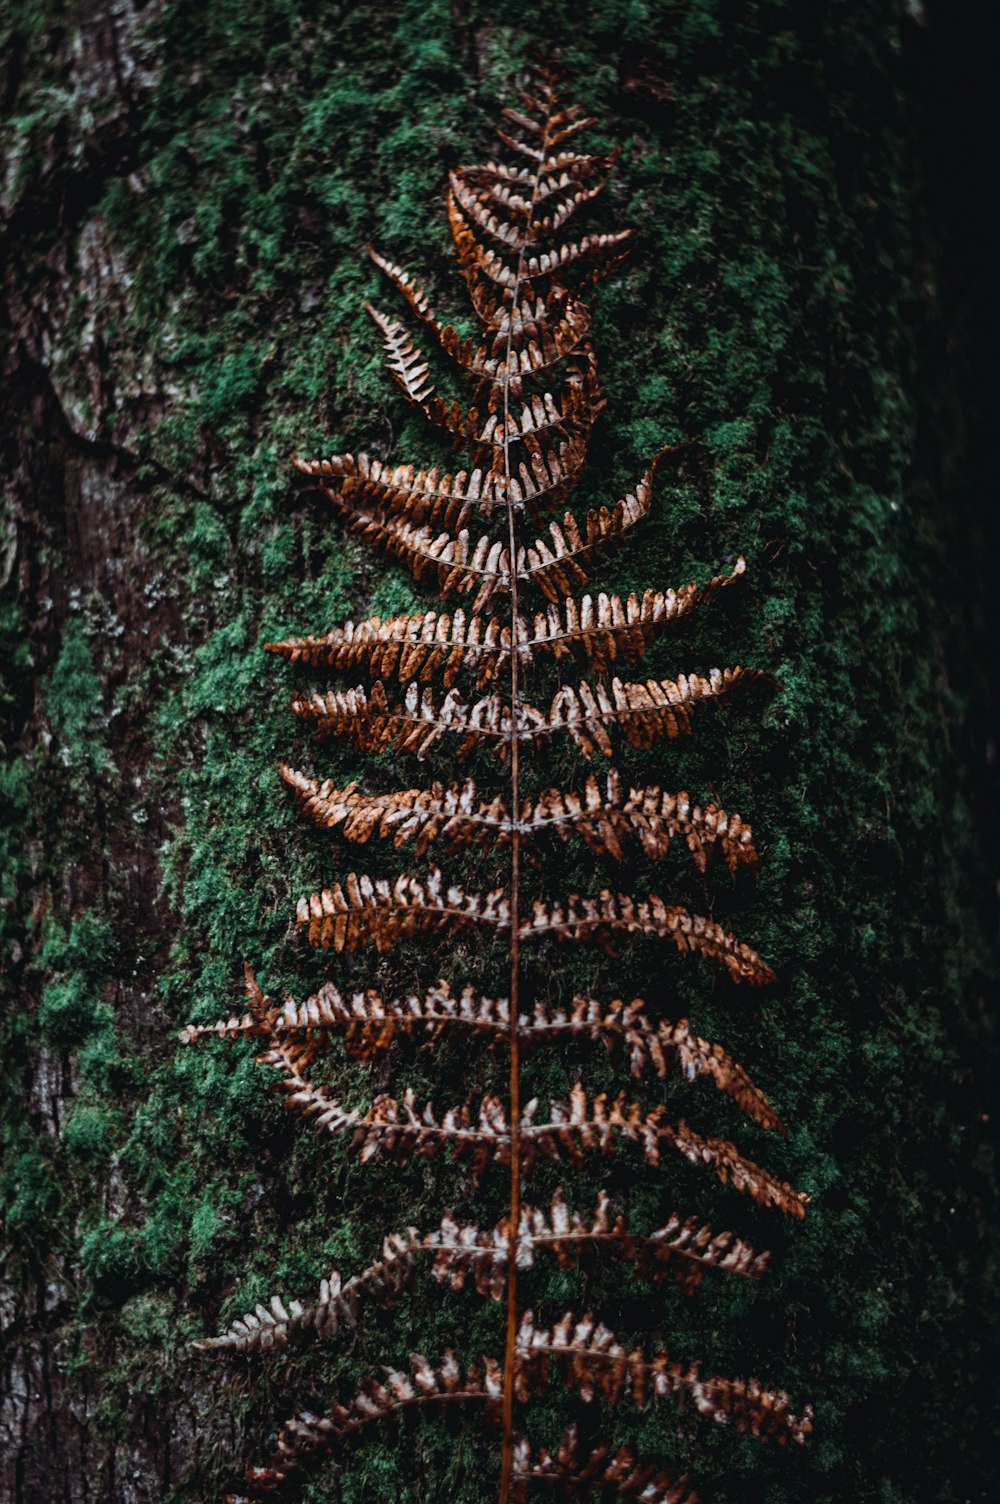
(510, 1351)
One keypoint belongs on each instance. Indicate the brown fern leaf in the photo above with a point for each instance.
(307, 1440)
(410, 647)
(679, 1250)
(553, 431)
(396, 1128)
(549, 467)
(539, 334)
(369, 1024)
(487, 269)
(463, 1253)
(571, 412)
(256, 1021)
(417, 647)
(455, 814)
(575, 1477)
(579, 180)
(645, 713)
(741, 1173)
(450, 813)
(461, 350)
(597, 1123)
(420, 497)
(364, 909)
(280, 1324)
(447, 557)
(603, 631)
(605, 917)
(413, 377)
(457, 565)
(604, 820)
(595, 1363)
(559, 567)
(373, 723)
(620, 1024)
(482, 1137)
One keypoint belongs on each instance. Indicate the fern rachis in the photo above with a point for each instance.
(455, 679)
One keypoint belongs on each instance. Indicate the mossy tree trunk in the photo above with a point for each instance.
(188, 191)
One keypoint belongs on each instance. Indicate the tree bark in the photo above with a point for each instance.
(188, 191)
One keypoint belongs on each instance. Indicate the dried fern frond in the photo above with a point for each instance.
(417, 647)
(307, 1440)
(605, 917)
(364, 908)
(596, 1123)
(456, 815)
(446, 335)
(482, 1136)
(559, 567)
(369, 1024)
(595, 1363)
(644, 713)
(431, 497)
(529, 400)
(573, 1475)
(570, 412)
(464, 1253)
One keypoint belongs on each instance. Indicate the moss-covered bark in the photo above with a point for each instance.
(188, 192)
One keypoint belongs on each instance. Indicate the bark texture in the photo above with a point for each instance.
(187, 193)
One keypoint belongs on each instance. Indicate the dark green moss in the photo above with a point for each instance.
(781, 304)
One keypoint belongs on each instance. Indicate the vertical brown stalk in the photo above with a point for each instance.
(507, 1456)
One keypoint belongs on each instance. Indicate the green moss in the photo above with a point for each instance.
(74, 703)
(28, 1194)
(110, 1260)
(73, 1007)
(770, 307)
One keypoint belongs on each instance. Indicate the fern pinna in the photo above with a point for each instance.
(454, 679)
